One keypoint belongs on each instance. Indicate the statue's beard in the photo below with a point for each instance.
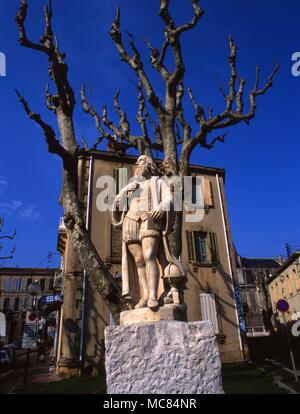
(141, 172)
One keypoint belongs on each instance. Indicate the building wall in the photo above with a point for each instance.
(253, 284)
(286, 285)
(205, 278)
(215, 280)
(14, 286)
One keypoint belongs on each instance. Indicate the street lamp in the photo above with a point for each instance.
(35, 291)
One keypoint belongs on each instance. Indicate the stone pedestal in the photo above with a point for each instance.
(165, 357)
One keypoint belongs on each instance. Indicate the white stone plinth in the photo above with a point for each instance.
(165, 357)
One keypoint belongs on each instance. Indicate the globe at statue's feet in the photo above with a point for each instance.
(153, 304)
(141, 304)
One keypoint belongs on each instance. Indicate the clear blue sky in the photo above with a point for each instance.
(261, 160)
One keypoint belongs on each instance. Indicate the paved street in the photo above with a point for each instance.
(283, 374)
(37, 373)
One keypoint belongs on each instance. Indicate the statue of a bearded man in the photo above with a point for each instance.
(145, 211)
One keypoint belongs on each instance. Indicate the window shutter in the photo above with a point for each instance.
(208, 196)
(191, 246)
(123, 178)
(120, 177)
(208, 309)
(214, 251)
(116, 179)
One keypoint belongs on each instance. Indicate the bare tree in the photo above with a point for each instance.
(171, 133)
(6, 237)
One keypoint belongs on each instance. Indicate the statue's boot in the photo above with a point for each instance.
(141, 304)
(153, 304)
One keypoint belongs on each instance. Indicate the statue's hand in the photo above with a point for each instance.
(132, 186)
(157, 214)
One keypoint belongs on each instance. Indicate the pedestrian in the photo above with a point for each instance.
(40, 352)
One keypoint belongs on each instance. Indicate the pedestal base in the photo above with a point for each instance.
(166, 357)
(146, 315)
(68, 368)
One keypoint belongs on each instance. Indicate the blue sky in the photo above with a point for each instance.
(261, 160)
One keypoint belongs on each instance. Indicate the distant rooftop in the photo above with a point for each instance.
(27, 271)
(264, 263)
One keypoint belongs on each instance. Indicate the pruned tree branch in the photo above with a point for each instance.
(157, 59)
(90, 110)
(6, 237)
(58, 69)
(134, 62)
(53, 143)
(231, 115)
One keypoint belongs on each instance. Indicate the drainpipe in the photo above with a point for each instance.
(229, 263)
(84, 282)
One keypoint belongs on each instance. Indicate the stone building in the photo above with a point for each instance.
(15, 298)
(207, 249)
(285, 284)
(252, 278)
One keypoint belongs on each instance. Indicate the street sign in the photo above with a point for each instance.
(30, 336)
(48, 299)
(2, 325)
(32, 317)
(282, 306)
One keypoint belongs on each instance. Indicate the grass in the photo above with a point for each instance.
(89, 385)
(239, 378)
(246, 378)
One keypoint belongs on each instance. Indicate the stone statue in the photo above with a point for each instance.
(144, 210)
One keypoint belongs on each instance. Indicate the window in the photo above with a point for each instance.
(6, 304)
(9, 284)
(29, 281)
(19, 284)
(272, 294)
(51, 284)
(283, 290)
(296, 279)
(289, 285)
(200, 242)
(208, 309)
(203, 247)
(42, 284)
(16, 304)
(277, 292)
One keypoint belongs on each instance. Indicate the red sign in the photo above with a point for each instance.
(282, 306)
(31, 317)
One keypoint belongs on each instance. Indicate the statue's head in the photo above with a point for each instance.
(145, 167)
